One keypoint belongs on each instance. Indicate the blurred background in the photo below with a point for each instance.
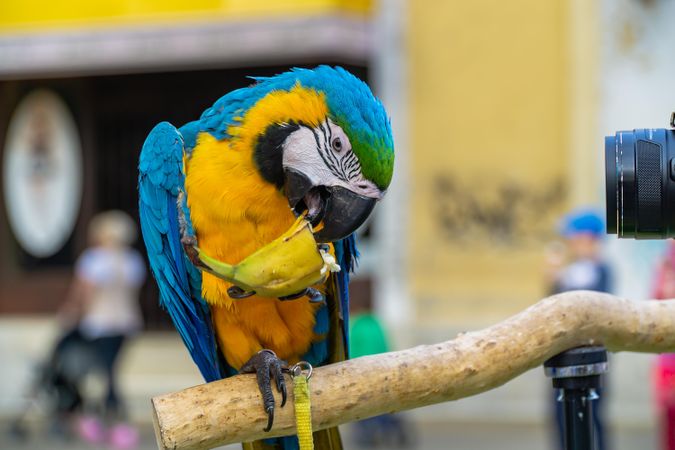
(499, 111)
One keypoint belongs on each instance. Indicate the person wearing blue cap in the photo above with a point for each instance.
(582, 230)
(580, 266)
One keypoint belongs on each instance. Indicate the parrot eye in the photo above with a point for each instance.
(337, 144)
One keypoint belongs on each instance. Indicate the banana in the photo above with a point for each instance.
(284, 267)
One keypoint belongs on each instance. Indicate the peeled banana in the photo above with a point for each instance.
(284, 267)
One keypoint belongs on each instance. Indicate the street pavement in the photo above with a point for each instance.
(450, 436)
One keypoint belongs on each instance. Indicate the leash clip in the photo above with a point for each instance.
(301, 368)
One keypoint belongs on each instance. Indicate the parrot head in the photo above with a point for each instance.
(330, 150)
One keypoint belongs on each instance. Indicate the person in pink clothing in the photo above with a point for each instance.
(664, 369)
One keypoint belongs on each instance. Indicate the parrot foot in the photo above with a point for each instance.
(266, 365)
(189, 244)
(237, 293)
(293, 296)
(315, 296)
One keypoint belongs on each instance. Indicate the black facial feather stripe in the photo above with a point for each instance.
(346, 166)
(268, 153)
(327, 148)
(349, 164)
(353, 173)
(322, 153)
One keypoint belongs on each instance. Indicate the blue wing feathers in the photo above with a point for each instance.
(318, 351)
(160, 180)
(347, 255)
(175, 246)
(322, 324)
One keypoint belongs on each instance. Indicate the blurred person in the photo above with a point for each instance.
(664, 368)
(578, 264)
(367, 337)
(55, 390)
(103, 309)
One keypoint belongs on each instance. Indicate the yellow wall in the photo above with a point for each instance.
(35, 15)
(489, 129)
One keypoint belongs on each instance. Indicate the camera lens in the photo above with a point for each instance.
(640, 183)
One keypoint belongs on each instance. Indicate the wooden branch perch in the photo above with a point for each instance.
(231, 410)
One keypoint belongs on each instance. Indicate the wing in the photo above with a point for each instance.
(347, 256)
(160, 181)
(332, 320)
(226, 111)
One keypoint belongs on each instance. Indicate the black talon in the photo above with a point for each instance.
(284, 394)
(279, 378)
(237, 293)
(267, 366)
(294, 296)
(270, 419)
(314, 295)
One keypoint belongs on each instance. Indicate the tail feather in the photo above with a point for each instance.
(328, 439)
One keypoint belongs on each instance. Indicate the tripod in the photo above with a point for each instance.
(577, 372)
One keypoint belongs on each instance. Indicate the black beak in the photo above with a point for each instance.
(341, 210)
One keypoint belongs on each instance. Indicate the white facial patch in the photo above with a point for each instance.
(324, 154)
(300, 153)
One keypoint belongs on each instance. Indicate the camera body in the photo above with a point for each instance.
(640, 183)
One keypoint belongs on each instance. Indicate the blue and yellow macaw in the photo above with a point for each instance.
(314, 142)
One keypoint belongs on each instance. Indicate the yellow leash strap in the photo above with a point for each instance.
(301, 373)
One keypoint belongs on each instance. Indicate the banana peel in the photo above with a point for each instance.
(283, 268)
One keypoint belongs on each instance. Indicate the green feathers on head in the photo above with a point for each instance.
(361, 115)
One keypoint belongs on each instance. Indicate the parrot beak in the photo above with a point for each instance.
(340, 210)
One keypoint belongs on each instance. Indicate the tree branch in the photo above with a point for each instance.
(230, 410)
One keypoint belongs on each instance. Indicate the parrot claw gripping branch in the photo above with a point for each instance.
(248, 215)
